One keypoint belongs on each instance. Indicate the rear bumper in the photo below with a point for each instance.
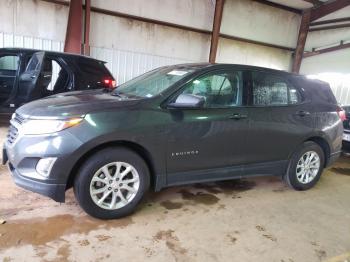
(333, 157)
(54, 191)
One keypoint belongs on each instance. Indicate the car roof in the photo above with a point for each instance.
(198, 66)
(56, 53)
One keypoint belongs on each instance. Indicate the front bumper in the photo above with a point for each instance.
(23, 155)
(54, 191)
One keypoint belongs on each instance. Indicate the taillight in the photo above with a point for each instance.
(109, 83)
(341, 113)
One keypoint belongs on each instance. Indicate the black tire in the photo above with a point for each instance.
(291, 176)
(93, 164)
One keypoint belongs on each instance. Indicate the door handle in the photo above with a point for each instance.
(33, 76)
(237, 116)
(302, 113)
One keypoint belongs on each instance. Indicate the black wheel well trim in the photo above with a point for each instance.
(322, 142)
(137, 148)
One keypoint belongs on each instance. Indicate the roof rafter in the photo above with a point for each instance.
(314, 2)
(328, 8)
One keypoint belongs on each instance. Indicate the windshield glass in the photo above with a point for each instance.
(152, 83)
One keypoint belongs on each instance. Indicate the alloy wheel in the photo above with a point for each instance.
(114, 185)
(308, 167)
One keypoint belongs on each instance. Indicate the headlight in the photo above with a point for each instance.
(47, 126)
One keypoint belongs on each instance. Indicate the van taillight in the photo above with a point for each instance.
(341, 113)
(109, 83)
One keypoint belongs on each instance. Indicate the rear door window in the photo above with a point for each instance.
(271, 90)
(8, 72)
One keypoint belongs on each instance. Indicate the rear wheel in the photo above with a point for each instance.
(305, 167)
(111, 183)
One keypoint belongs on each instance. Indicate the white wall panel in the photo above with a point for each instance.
(11, 40)
(136, 36)
(230, 51)
(193, 13)
(338, 61)
(333, 62)
(125, 65)
(255, 21)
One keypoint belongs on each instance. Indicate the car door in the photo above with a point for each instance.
(31, 79)
(211, 138)
(279, 120)
(9, 64)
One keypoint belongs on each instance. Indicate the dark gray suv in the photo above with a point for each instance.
(174, 125)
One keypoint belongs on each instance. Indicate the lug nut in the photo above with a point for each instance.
(115, 190)
(109, 188)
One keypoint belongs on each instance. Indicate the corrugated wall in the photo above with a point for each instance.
(124, 65)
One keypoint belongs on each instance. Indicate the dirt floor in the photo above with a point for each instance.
(243, 220)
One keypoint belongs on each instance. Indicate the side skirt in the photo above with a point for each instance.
(275, 168)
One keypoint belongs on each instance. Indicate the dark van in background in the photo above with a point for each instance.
(28, 74)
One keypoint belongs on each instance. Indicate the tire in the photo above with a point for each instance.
(94, 167)
(294, 176)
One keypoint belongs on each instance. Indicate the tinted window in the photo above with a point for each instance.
(270, 90)
(93, 67)
(9, 62)
(218, 89)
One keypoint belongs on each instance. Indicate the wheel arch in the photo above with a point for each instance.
(137, 148)
(322, 142)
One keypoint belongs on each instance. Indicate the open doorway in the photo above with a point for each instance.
(59, 79)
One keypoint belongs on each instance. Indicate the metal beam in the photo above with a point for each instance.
(314, 2)
(235, 38)
(326, 50)
(74, 31)
(303, 30)
(279, 6)
(172, 25)
(329, 27)
(331, 21)
(219, 7)
(327, 8)
(87, 27)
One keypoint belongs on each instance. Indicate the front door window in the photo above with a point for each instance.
(219, 90)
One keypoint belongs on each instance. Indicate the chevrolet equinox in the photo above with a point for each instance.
(174, 125)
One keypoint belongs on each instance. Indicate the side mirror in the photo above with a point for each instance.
(187, 101)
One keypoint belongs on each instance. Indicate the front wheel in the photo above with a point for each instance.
(111, 183)
(305, 167)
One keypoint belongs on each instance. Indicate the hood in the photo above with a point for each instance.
(73, 104)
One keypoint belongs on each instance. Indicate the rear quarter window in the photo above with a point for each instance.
(93, 67)
(323, 92)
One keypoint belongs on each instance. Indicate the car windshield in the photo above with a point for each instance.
(152, 83)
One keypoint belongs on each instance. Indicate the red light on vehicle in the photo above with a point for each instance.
(109, 83)
(341, 113)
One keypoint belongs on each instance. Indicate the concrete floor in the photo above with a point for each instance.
(248, 220)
